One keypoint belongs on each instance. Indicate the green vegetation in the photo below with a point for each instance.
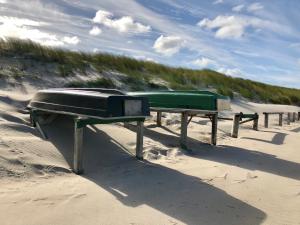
(141, 73)
(100, 82)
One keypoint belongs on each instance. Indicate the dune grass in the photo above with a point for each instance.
(140, 73)
(100, 82)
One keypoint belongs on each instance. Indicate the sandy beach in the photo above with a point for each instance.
(250, 180)
(225, 67)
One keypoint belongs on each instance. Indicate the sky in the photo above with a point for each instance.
(257, 40)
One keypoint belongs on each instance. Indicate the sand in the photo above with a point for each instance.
(251, 180)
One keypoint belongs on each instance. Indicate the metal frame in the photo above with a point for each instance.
(80, 122)
(185, 113)
(238, 119)
(266, 122)
(81, 115)
(289, 118)
(294, 117)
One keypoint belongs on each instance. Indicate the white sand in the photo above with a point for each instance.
(254, 179)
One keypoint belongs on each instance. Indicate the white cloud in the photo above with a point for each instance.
(218, 2)
(125, 24)
(102, 17)
(3, 1)
(231, 72)
(71, 40)
(168, 45)
(227, 26)
(238, 8)
(235, 31)
(245, 53)
(251, 8)
(203, 62)
(95, 31)
(255, 7)
(235, 26)
(144, 58)
(13, 27)
(298, 61)
(22, 28)
(19, 21)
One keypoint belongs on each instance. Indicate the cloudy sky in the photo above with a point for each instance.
(258, 40)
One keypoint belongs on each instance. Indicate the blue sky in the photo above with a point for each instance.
(258, 40)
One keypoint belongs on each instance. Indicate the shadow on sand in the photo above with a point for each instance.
(252, 160)
(296, 130)
(244, 158)
(164, 128)
(136, 183)
(12, 118)
(277, 139)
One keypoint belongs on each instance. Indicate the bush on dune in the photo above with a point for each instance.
(139, 73)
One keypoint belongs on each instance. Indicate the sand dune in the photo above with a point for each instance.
(250, 180)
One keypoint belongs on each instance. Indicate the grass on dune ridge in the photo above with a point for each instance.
(140, 73)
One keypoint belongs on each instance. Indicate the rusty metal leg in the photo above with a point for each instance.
(235, 125)
(78, 150)
(35, 123)
(139, 140)
(289, 118)
(44, 136)
(183, 133)
(266, 120)
(32, 118)
(255, 122)
(280, 119)
(214, 129)
(158, 119)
